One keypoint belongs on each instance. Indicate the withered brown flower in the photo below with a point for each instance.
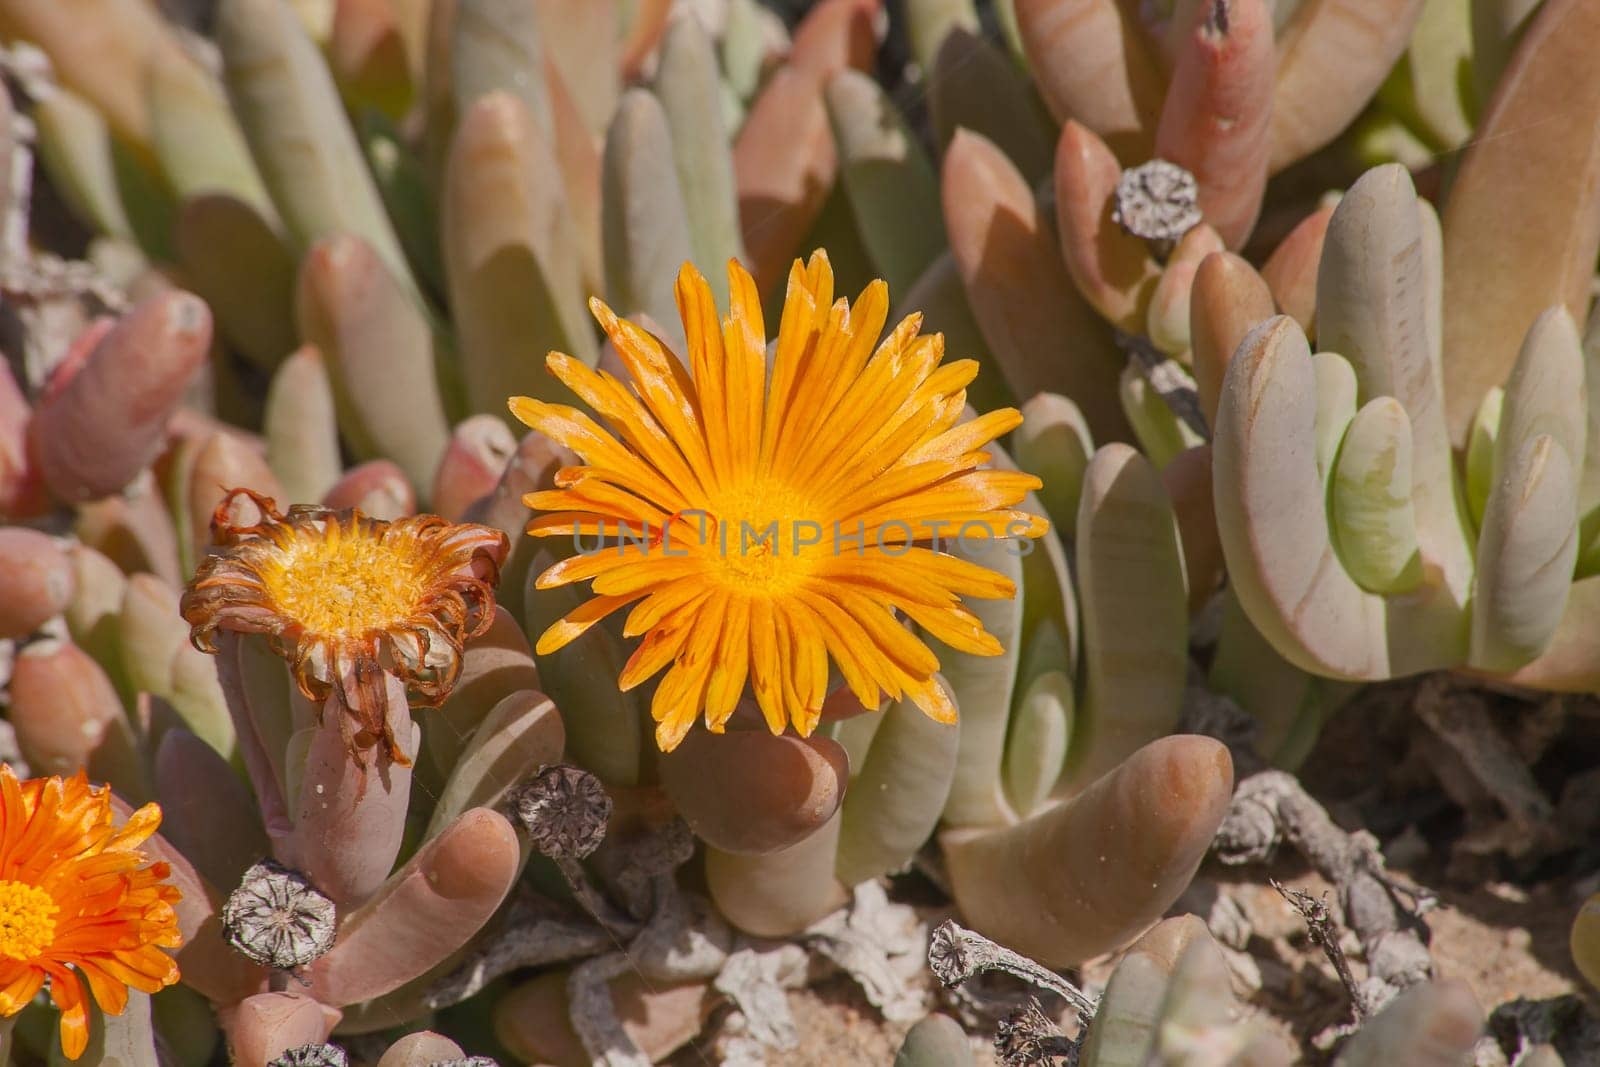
(344, 598)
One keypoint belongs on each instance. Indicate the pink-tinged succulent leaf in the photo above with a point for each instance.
(1167, 320)
(104, 426)
(68, 717)
(578, 156)
(643, 35)
(206, 810)
(263, 1027)
(1332, 56)
(1216, 120)
(583, 39)
(748, 792)
(37, 580)
(1571, 663)
(256, 686)
(511, 257)
(1086, 876)
(350, 812)
(422, 1049)
(1227, 300)
(1522, 224)
(479, 449)
(134, 529)
(379, 352)
(1187, 480)
(222, 464)
(367, 55)
(1111, 267)
(302, 427)
(209, 965)
(21, 487)
(533, 1020)
(975, 85)
(1043, 336)
(784, 159)
(428, 910)
(1093, 64)
(377, 487)
(531, 468)
(1291, 270)
(782, 893)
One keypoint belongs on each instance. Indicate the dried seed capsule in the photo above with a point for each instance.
(278, 918)
(1158, 201)
(564, 809)
(312, 1056)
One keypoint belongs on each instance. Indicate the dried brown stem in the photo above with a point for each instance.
(1324, 933)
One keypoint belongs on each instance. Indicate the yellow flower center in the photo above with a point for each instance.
(345, 585)
(765, 536)
(27, 920)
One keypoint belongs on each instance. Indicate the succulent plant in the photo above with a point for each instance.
(1359, 543)
(357, 229)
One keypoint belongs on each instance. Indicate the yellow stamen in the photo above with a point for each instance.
(27, 920)
(343, 585)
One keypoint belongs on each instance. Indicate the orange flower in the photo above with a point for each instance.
(767, 521)
(343, 597)
(74, 894)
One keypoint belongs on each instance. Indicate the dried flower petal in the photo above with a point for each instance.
(341, 596)
(278, 918)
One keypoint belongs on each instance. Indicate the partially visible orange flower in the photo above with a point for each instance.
(852, 453)
(75, 893)
(342, 597)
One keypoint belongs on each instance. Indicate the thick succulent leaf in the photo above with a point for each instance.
(302, 428)
(983, 687)
(1134, 604)
(1376, 306)
(1526, 554)
(1369, 501)
(1054, 443)
(1522, 225)
(1216, 121)
(292, 116)
(380, 353)
(1112, 268)
(1161, 434)
(1332, 56)
(198, 141)
(644, 226)
(1227, 300)
(974, 86)
(1043, 335)
(892, 186)
(583, 40)
(1427, 86)
(74, 145)
(1036, 746)
(1481, 449)
(1291, 270)
(894, 799)
(1336, 406)
(941, 298)
(1545, 393)
(1273, 524)
(1085, 876)
(235, 259)
(426, 911)
(1093, 64)
(1434, 1024)
(751, 793)
(603, 724)
(779, 894)
(510, 256)
(687, 85)
(935, 1041)
(519, 736)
